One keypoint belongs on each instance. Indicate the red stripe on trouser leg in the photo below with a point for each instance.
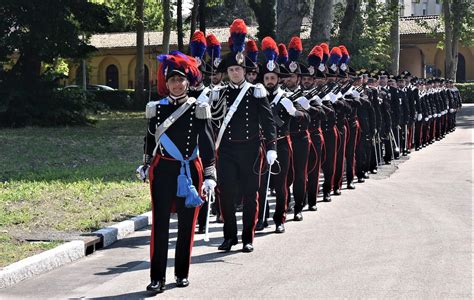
(150, 178)
(336, 146)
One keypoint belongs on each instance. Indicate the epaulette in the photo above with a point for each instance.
(215, 93)
(259, 91)
(150, 111)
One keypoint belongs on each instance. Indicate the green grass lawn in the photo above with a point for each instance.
(68, 180)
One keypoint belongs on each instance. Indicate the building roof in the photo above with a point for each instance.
(408, 26)
(420, 25)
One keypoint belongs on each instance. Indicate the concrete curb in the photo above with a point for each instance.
(68, 252)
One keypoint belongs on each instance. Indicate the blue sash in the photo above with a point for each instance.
(186, 189)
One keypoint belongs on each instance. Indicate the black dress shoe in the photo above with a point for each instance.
(247, 248)
(227, 245)
(361, 180)
(298, 217)
(387, 162)
(312, 208)
(374, 171)
(259, 226)
(182, 282)
(351, 186)
(337, 192)
(157, 286)
(327, 197)
(366, 175)
(280, 228)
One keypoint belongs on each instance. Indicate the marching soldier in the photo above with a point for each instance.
(177, 128)
(238, 143)
(298, 131)
(317, 115)
(284, 110)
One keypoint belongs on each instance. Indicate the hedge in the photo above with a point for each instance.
(467, 91)
(122, 99)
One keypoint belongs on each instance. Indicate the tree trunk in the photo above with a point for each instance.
(346, 28)
(265, 13)
(166, 26)
(451, 41)
(202, 15)
(395, 37)
(139, 68)
(194, 17)
(290, 14)
(179, 24)
(323, 14)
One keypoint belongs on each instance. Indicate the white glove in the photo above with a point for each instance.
(451, 110)
(208, 186)
(142, 172)
(317, 99)
(420, 116)
(356, 94)
(332, 97)
(430, 116)
(304, 102)
(426, 119)
(288, 105)
(271, 157)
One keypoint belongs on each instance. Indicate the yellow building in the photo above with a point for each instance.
(114, 62)
(419, 54)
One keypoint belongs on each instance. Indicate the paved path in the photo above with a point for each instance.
(407, 235)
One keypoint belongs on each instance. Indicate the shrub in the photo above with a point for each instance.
(42, 104)
(467, 91)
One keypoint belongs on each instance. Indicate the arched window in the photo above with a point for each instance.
(112, 76)
(461, 70)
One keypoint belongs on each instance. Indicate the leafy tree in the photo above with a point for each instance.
(36, 33)
(122, 15)
(459, 28)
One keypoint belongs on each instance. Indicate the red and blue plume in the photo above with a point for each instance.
(238, 32)
(335, 56)
(176, 61)
(325, 52)
(295, 48)
(315, 56)
(345, 55)
(252, 50)
(282, 54)
(269, 48)
(198, 44)
(213, 46)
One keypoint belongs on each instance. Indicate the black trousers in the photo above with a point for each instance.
(418, 134)
(300, 146)
(374, 155)
(238, 175)
(280, 179)
(363, 153)
(163, 181)
(340, 156)
(314, 165)
(388, 148)
(354, 136)
(329, 164)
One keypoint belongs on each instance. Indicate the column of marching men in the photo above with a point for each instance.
(272, 119)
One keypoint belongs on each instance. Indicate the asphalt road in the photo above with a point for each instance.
(406, 235)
